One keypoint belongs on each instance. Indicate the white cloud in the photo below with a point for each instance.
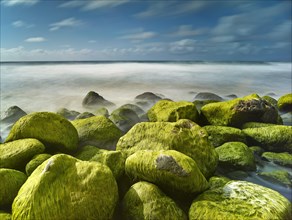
(93, 4)
(35, 39)
(18, 2)
(69, 22)
(20, 23)
(187, 31)
(182, 46)
(92, 41)
(140, 36)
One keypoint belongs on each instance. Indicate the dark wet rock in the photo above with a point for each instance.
(236, 174)
(94, 100)
(12, 114)
(287, 118)
(271, 100)
(231, 96)
(218, 181)
(285, 103)
(200, 103)
(208, 96)
(147, 99)
(84, 115)
(139, 111)
(283, 159)
(68, 114)
(278, 176)
(257, 150)
(102, 111)
(271, 94)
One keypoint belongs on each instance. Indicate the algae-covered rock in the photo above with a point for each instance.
(285, 103)
(184, 136)
(277, 138)
(146, 201)
(236, 155)
(11, 181)
(147, 99)
(35, 162)
(236, 112)
(94, 100)
(287, 118)
(165, 110)
(218, 181)
(257, 150)
(68, 114)
(169, 169)
(51, 129)
(256, 125)
(84, 115)
(278, 176)
(64, 187)
(240, 200)
(102, 111)
(12, 114)
(283, 159)
(98, 131)
(219, 135)
(135, 108)
(115, 160)
(271, 100)
(208, 96)
(17, 154)
(4, 215)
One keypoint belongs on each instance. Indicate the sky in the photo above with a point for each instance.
(230, 30)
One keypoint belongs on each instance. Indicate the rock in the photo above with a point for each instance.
(277, 138)
(12, 114)
(102, 111)
(200, 103)
(231, 96)
(208, 96)
(219, 135)
(124, 118)
(236, 155)
(98, 131)
(53, 130)
(279, 176)
(11, 181)
(283, 159)
(256, 125)
(271, 100)
(84, 115)
(146, 201)
(169, 169)
(68, 114)
(35, 162)
(285, 103)
(237, 175)
(257, 150)
(184, 136)
(240, 200)
(94, 100)
(115, 160)
(135, 108)
(146, 99)
(17, 154)
(236, 112)
(218, 181)
(4, 215)
(64, 187)
(165, 110)
(287, 118)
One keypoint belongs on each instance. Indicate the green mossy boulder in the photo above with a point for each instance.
(277, 138)
(53, 130)
(115, 160)
(84, 115)
(236, 112)
(165, 110)
(35, 162)
(11, 181)
(279, 176)
(257, 150)
(168, 169)
(64, 187)
(218, 181)
(102, 111)
(283, 159)
(255, 125)
(219, 135)
(146, 201)
(16, 154)
(271, 100)
(184, 136)
(236, 155)
(4, 215)
(200, 103)
(98, 131)
(240, 200)
(285, 103)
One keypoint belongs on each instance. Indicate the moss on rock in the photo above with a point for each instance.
(169, 169)
(240, 200)
(51, 129)
(64, 187)
(98, 131)
(35, 162)
(17, 154)
(165, 110)
(278, 176)
(236, 155)
(285, 103)
(217, 181)
(11, 181)
(184, 136)
(146, 201)
(4, 215)
(283, 159)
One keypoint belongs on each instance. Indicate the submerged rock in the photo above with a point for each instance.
(285, 103)
(240, 200)
(94, 100)
(53, 130)
(68, 114)
(165, 110)
(278, 176)
(184, 136)
(64, 187)
(208, 96)
(35, 162)
(283, 159)
(146, 99)
(84, 115)
(135, 108)
(12, 114)
(146, 201)
(102, 111)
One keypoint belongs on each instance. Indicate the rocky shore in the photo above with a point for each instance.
(153, 158)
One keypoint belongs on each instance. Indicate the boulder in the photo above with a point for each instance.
(16, 154)
(68, 114)
(35, 162)
(64, 187)
(165, 110)
(169, 169)
(135, 108)
(4, 215)
(277, 176)
(238, 111)
(146, 99)
(218, 181)
(255, 125)
(146, 201)
(219, 135)
(236, 155)
(283, 159)
(240, 200)
(53, 130)
(287, 118)
(84, 115)
(271, 100)
(184, 136)
(200, 103)
(12, 114)
(231, 96)
(277, 138)
(102, 111)
(11, 181)
(285, 103)
(94, 100)
(98, 131)
(257, 150)
(208, 96)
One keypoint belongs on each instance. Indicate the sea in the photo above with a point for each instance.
(49, 86)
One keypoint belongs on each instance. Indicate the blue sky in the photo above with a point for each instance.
(257, 30)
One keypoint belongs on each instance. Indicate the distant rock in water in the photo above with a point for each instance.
(12, 114)
(148, 96)
(208, 96)
(231, 96)
(68, 114)
(93, 99)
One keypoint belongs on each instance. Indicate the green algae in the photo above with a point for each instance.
(218, 181)
(278, 176)
(283, 159)
(285, 103)
(4, 215)
(35, 162)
